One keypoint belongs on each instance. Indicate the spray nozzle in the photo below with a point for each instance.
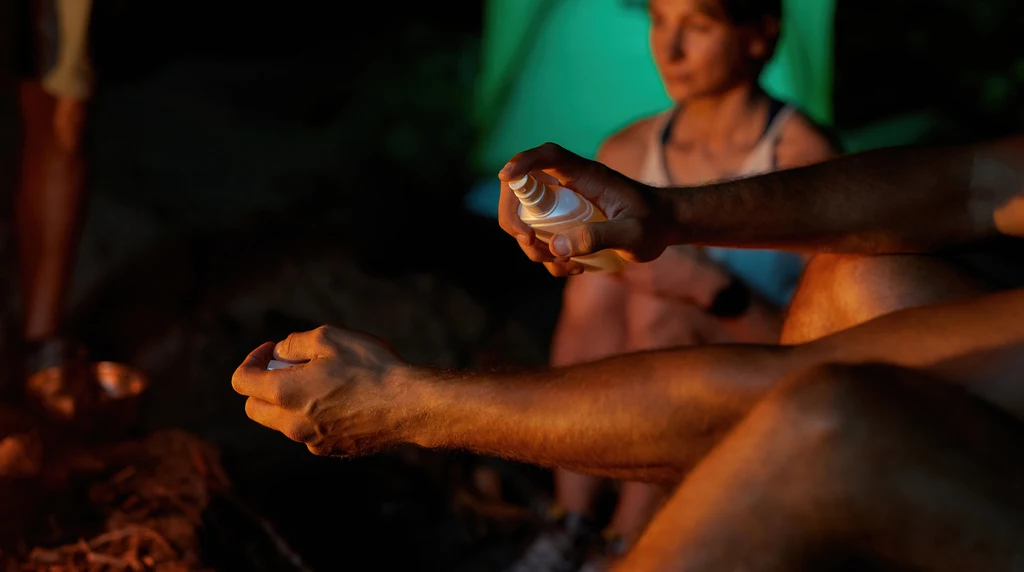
(518, 185)
(534, 195)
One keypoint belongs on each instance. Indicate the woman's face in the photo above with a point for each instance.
(697, 51)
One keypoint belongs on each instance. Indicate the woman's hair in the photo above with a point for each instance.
(764, 14)
(742, 12)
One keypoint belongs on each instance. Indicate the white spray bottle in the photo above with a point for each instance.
(550, 210)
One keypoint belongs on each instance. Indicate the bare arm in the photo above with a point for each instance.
(673, 406)
(885, 201)
(899, 200)
(692, 277)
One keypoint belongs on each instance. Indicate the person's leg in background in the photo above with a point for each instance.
(49, 207)
(50, 194)
(656, 320)
(656, 323)
(591, 326)
(637, 504)
(649, 320)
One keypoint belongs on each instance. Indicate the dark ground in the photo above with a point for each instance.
(256, 177)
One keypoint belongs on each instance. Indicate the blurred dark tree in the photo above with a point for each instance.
(262, 105)
(963, 62)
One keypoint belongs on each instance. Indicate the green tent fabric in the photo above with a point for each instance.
(574, 71)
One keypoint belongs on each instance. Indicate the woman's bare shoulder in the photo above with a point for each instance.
(803, 142)
(625, 149)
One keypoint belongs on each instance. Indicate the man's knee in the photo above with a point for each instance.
(832, 412)
(826, 397)
(849, 411)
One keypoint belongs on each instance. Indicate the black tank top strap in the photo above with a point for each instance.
(666, 131)
(774, 107)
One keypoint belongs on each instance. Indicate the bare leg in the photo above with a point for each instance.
(656, 322)
(875, 464)
(575, 492)
(49, 208)
(637, 504)
(592, 326)
(840, 291)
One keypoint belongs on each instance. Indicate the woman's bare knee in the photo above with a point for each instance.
(839, 291)
(819, 306)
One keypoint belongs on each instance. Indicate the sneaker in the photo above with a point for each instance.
(58, 379)
(597, 563)
(563, 547)
(615, 548)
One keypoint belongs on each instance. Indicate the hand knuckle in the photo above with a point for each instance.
(278, 393)
(322, 335)
(599, 175)
(312, 409)
(551, 147)
(295, 433)
(285, 345)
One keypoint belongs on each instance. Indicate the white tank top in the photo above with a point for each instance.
(771, 273)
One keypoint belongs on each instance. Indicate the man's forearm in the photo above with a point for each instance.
(647, 416)
(885, 201)
(652, 416)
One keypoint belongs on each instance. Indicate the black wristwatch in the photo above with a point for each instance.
(732, 301)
